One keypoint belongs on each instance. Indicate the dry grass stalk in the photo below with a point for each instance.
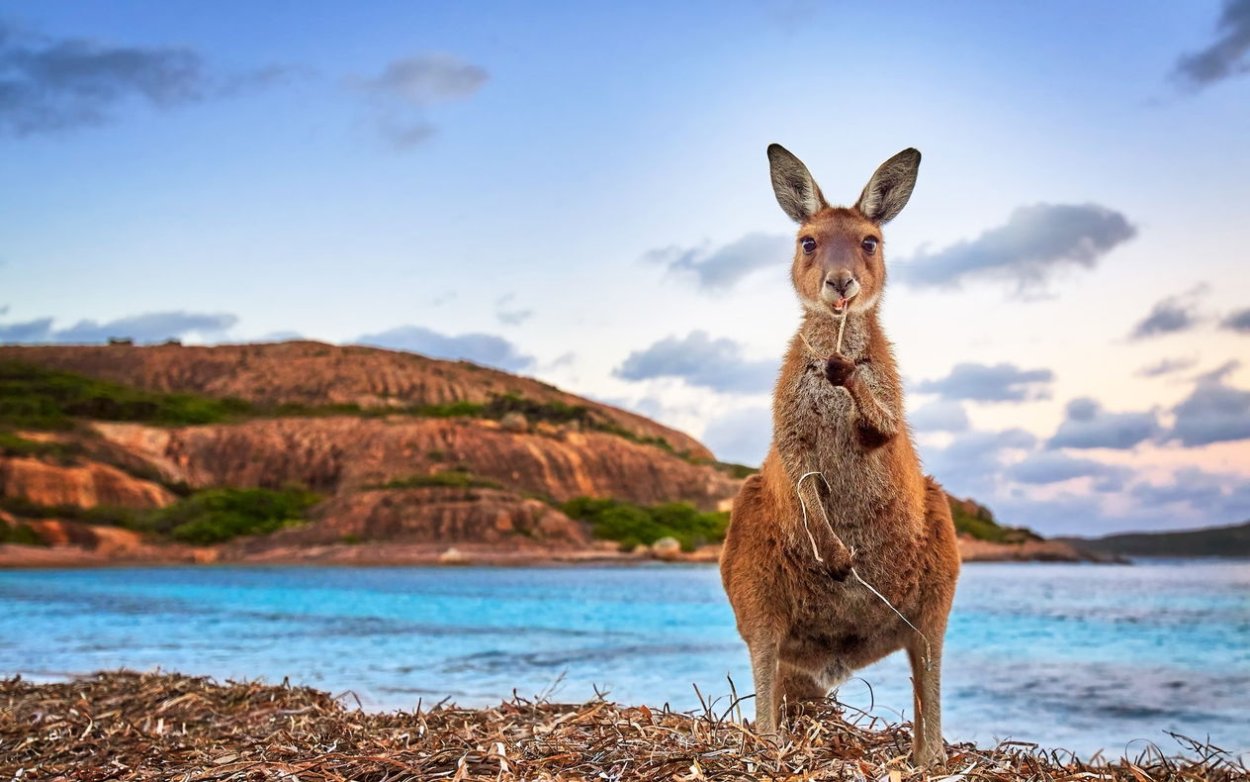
(130, 726)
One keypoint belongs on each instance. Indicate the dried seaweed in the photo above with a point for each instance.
(131, 726)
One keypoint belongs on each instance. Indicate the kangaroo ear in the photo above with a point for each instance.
(792, 182)
(887, 192)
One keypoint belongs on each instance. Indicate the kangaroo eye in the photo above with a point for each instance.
(809, 245)
(869, 245)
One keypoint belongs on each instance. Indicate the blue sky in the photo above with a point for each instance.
(579, 192)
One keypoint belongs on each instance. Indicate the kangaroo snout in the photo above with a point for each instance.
(840, 286)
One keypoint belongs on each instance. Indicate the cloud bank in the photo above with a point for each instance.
(720, 268)
(1238, 321)
(1047, 467)
(1026, 251)
(1223, 58)
(406, 88)
(940, 416)
(990, 383)
(700, 360)
(149, 327)
(1167, 366)
(1087, 425)
(50, 84)
(1214, 412)
(485, 349)
(1172, 315)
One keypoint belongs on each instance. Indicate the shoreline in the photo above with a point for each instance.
(19, 557)
(147, 726)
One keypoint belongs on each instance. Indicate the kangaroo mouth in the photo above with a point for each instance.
(840, 304)
(840, 300)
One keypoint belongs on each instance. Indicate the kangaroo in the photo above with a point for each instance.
(840, 501)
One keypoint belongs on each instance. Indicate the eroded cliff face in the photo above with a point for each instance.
(436, 515)
(361, 466)
(86, 485)
(347, 454)
(314, 373)
(374, 468)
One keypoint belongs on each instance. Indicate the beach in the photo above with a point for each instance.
(1092, 659)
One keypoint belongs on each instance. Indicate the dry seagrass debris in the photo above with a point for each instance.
(156, 726)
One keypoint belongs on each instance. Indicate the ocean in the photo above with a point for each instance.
(1083, 657)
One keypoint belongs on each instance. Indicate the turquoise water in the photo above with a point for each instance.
(1082, 657)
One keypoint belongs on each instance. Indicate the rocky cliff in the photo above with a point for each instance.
(410, 456)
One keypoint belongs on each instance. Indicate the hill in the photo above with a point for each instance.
(303, 376)
(1226, 541)
(301, 451)
(304, 451)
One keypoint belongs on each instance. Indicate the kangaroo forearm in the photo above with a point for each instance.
(875, 423)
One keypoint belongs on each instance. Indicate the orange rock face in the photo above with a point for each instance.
(350, 453)
(516, 467)
(82, 486)
(440, 515)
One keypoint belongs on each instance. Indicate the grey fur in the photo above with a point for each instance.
(888, 191)
(796, 191)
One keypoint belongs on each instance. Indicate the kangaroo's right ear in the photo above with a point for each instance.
(792, 182)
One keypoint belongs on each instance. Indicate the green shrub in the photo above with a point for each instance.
(12, 444)
(554, 412)
(20, 534)
(204, 517)
(41, 398)
(216, 515)
(738, 471)
(460, 478)
(107, 515)
(631, 525)
(982, 526)
(461, 409)
(20, 506)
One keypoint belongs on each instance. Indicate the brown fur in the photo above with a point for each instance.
(808, 625)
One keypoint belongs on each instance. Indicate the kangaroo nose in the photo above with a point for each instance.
(840, 281)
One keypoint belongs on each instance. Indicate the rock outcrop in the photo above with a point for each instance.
(400, 485)
(87, 485)
(344, 454)
(314, 373)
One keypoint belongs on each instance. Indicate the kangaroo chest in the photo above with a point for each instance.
(818, 434)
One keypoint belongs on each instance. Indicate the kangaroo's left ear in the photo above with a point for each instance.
(887, 192)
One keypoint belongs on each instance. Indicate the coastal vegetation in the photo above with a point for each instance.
(457, 478)
(632, 525)
(19, 533)
(217, 515)
(1224, 541)
(205, 517)
(36, 397)
(13, 444)
(977, 521)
